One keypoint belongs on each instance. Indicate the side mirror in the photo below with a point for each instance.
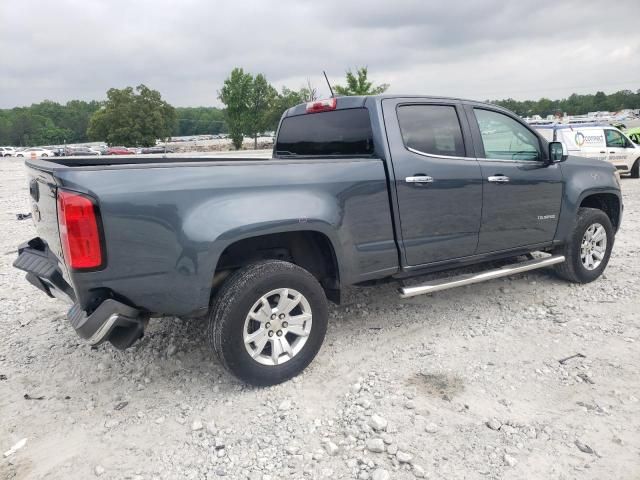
(556, 152)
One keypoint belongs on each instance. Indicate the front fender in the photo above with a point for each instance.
(583, 177)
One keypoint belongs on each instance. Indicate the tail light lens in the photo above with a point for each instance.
(322, 105)
(79, 231)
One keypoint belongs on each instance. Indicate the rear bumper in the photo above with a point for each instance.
(112, 320)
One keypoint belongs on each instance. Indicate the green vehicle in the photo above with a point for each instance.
(634, 135)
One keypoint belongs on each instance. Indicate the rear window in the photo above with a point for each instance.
(335, 133)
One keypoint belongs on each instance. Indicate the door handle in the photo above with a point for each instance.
(498, 179)
(419, 179)
(612, 152)
(603, 152)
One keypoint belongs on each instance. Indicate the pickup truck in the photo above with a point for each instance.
(358, 189)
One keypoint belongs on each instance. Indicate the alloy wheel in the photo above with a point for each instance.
(593, 246)
(277, 326)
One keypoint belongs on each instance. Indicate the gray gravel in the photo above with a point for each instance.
(465, 383)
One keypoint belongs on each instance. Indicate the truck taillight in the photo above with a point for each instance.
(322, 105)
(79, 231)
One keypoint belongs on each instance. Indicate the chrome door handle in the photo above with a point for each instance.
(419, 179)
(498, 179)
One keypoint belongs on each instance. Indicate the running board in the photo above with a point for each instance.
(471, 278)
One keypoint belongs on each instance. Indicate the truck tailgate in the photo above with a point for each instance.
(42, 192)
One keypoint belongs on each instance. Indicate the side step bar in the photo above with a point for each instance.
(471, 278)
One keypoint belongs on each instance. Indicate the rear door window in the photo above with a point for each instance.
(431, 129)
(336, 133)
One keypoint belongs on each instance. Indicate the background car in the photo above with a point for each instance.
(99, 149)
(634, 135)
(118, 151)
(79, 151)
(156, 149)
(39, 152)
(7, 151)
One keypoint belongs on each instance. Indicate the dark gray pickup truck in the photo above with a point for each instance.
(358, 189)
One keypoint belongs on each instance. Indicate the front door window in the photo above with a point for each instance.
(505, 139)
(615, 139)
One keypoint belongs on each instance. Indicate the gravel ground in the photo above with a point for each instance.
(465, 383)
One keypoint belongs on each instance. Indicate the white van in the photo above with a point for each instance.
(602, 142)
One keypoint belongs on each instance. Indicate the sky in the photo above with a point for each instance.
(479, 49)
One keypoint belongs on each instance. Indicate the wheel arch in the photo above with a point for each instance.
(311, 249)
(608, 202)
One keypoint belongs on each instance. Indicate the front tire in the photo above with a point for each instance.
(588, 247)
(267, 322)
(635, 169)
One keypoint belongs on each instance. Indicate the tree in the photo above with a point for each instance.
(309, 93)
(358, 84)
(235, 95)
(199, 121)
(262, 98)
(282, 102)
(132, 119)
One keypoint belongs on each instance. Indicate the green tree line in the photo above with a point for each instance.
(574, 104)
(46, 123)
(51, 123)
(138, 116)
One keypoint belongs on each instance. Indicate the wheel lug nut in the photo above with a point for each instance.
(281, 316)
(285, 324)
(271, 333)
(267, 325)
(273, 317)
(279, 333)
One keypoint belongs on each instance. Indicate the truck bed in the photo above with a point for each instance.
(167, 220)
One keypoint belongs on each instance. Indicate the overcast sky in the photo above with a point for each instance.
(480, 49)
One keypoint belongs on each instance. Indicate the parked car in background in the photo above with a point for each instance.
(119, 151)
(156, 149)
(7, 152)
(596, 141)
(634, 135)
(79, 151)
(39, 152)
(100, 149)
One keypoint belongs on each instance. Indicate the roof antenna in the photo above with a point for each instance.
(327, 79)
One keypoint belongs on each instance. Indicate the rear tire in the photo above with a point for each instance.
(592, 237)
(635, 169)
(259, 301)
